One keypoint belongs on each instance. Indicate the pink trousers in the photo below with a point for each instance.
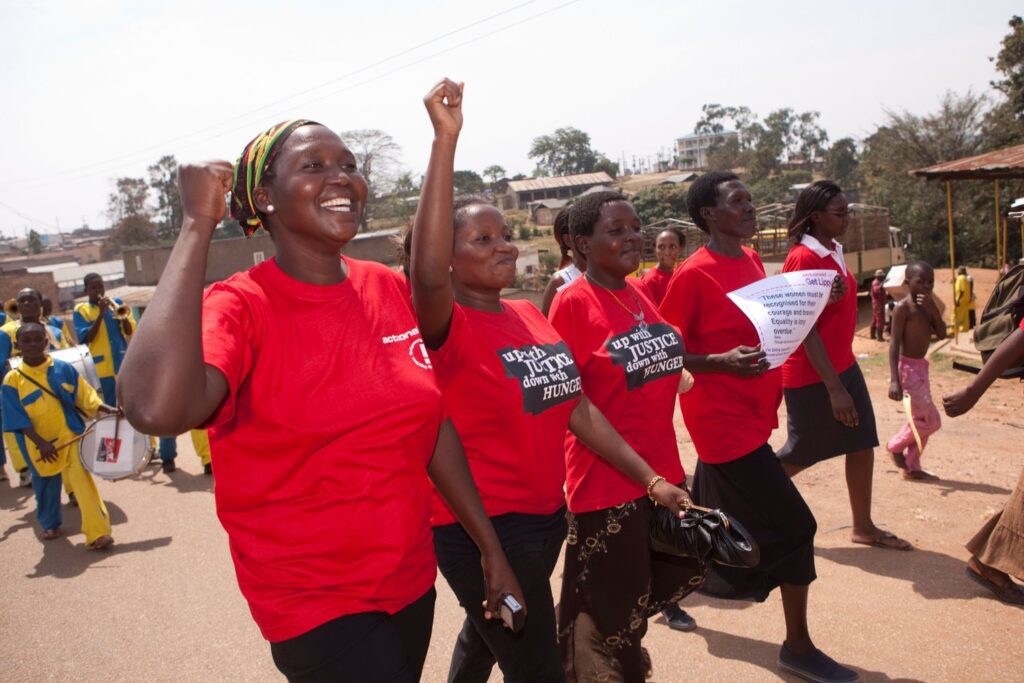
(914, 380)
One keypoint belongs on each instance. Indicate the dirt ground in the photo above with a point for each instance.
(163, 605)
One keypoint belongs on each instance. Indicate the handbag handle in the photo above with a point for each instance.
(692, 506)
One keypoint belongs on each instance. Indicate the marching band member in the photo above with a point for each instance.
(29, 303)
(106, 334)
(44, 401)
(57, 321)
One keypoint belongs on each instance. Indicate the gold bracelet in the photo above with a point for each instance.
(650, 487)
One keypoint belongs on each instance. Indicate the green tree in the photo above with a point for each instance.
(495, 173)
(35, 242)
(468, 182)
(130, 216)
(841, 162)
(906, 141)
(660, 202)
(761, 146)
(567, 151)
(1005, 123)
(163, 181)
(405, 184)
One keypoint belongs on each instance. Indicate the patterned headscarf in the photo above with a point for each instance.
(254, 161)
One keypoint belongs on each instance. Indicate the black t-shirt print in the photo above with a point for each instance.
(547, 374)
(646, 353)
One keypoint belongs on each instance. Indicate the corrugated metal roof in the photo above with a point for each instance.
(108, 270)
(1002, 163)
(548, 203)
(561, 181)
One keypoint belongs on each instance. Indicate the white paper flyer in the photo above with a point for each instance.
(784, 308)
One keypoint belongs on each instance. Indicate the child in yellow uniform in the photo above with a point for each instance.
(30, 309)
(106, 334)
(43, 403)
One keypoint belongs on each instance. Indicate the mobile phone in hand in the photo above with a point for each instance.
(511, 612)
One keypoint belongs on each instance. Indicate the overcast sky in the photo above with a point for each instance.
(96, 89)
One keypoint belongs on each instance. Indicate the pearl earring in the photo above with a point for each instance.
(270, 208)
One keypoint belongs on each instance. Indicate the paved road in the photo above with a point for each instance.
(164, 606)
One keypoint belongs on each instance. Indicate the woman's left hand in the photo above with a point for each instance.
(838, 289)
(843, 408)
(498, 580)
(444, 105)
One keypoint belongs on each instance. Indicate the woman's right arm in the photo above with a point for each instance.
(164, 384)
(745, 361)
(430, 265)
(1009, 353)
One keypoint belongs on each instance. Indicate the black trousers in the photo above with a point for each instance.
(362, 648)
(532, 544)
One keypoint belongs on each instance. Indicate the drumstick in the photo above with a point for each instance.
(76, 439)
(117, 429)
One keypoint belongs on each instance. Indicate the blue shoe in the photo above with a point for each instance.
(816, 666)
(677, 619)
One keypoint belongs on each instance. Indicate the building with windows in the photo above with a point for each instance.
(692, 150)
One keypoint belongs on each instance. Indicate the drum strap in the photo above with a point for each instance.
(81, 413)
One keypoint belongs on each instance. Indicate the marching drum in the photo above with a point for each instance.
(78, 357)
(112, 449)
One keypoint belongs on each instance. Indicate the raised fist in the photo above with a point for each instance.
(444, 105)
(203, 186)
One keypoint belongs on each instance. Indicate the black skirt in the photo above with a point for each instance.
(814, 432)
(756, 491)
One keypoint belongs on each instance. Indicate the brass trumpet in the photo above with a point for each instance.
(122, 312)
(11, 308)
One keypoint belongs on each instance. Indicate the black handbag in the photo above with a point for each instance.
(704, 534)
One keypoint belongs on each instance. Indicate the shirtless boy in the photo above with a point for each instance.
(915, 319)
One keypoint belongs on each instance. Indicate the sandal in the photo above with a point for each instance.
(887, 540)
(1011, 595)
(101, 543)
(50, 534)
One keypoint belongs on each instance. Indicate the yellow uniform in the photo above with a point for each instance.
(963, 301)
(108, 346)
(8, 349)
(26, 405)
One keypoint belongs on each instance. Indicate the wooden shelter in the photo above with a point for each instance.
(1002, 164)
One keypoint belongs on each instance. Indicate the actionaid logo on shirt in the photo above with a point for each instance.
(547, 374)
(417, 349)
(646, 353)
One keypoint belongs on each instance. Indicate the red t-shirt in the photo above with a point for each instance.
(322, 444)
(630, 371)
(835, 326)
(728, 416)
(509, 384)
(656, 282)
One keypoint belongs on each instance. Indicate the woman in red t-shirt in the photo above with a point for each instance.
(827, 402)
(667, 247)
(323, 413)
(731, 411)
(512, 389)
(631, 363)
